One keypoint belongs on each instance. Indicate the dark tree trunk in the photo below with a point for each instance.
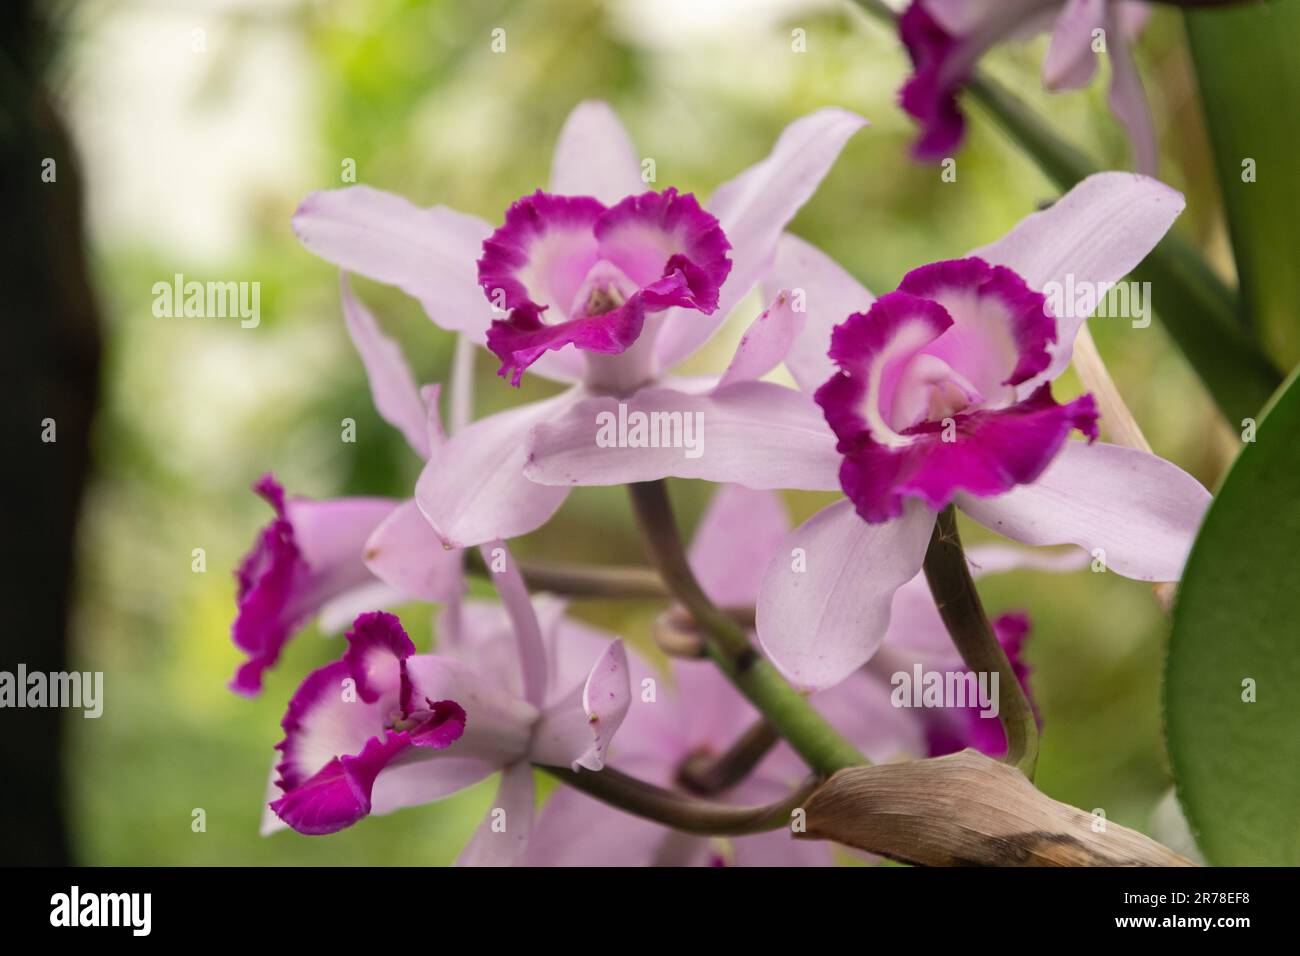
(49, 366)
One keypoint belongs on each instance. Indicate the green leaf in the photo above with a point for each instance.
(1236, 634)
(1249, 77)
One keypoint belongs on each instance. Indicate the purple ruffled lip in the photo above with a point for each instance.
(339, 794)
(570, 271)
(265, 578)
(927, 401)
(930, 94)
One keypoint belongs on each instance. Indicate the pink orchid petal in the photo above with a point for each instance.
(962, 16)
(325, 718)
(476, 492)
(567, 366)
(1133, 16)
(576, 730)
(377, 712)
(594, 156)
(1095, 233)
(307, 557)
(338, 736)
(488, 644)
(670, 247)
(1128, 101)
(606, 697)
(502, 838)
(917, 632)
(944, 44)
(779, 848)
(739, 533)
(540, 256)
(1142, 511)
(333, 531)
(1070, 62)
(427, 253)
(754, 434)
(498, 722)
(574, 829)
(573, 272)
(829, 294)
(572, 645)
(337, 614)
(392, 386)
(874, 351)
(754, 209)
(860, 708)
(405, 553)
(1001, 329)
(421, 782)
(713, 711)
(824, 606)
(338, 795)
(529, 648)
(991, 452)
(378, 647)
(766, 342)
(435, 435)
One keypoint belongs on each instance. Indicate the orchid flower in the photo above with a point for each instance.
(703, 714)
(337, 557)
(385, 728)
(945, 39)
(598, 284)
(940, 393)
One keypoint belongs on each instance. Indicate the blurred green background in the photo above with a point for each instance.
(200, 127)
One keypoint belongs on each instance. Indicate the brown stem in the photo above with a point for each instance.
(963, 614)
(584, 580)
(706, 774)
(678, 810)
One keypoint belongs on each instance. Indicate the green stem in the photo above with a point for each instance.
(678, 810)
(963, 614)
(817, 742)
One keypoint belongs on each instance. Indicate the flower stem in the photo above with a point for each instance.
(707, 775)
(584, 580)
(959, 605)
(817, 742)
(678, 810)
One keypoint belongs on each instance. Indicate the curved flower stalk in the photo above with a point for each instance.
(702, 717)
(337, 557)
(941, 394)
(946, 38)
(597, 283)
(385, 728)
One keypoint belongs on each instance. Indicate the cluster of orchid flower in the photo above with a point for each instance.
(934, 395)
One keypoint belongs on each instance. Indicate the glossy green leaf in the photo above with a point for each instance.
(1249, 78)
(1232, 680)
